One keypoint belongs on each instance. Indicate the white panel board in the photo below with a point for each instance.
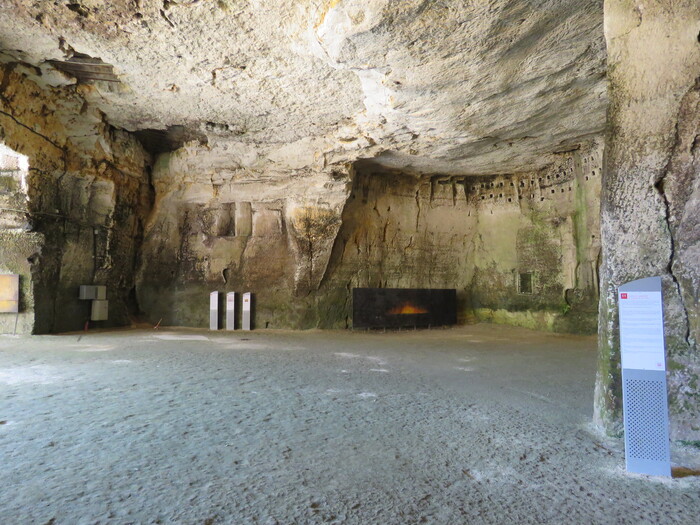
(644, 394)
(247, 311)
(214, 311)
(642, 330)
(9, 293)
(92, 291)
(87, 292)
(231, 311)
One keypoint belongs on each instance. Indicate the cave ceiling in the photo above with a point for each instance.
(451, 86)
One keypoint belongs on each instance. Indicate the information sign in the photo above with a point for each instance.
(644, 397)
(214, 311)
(231, 311)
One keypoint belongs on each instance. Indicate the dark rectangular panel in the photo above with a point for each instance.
(403, 307)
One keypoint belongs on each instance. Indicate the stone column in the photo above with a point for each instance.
(651, 192)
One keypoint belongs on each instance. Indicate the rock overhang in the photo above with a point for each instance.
(424, 87)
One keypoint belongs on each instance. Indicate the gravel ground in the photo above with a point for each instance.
(477, 424)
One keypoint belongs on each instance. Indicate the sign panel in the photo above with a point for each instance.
(231, 311)
(642, 330)
(644, 395)
(214, 311)
(87, 292)
(247, 317)
(9, 293)
(92, 291)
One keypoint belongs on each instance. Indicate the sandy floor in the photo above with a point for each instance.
(481, 424)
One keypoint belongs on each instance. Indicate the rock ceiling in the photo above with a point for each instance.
(427, 86)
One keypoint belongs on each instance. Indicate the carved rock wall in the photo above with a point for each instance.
(478, 235)
(225, 219)
(398, 232)
(651, 194)
(537, 253)
(87, 193)
(417, 83)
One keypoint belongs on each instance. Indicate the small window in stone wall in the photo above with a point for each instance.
(525, 283)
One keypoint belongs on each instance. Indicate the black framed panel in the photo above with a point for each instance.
(403, 307)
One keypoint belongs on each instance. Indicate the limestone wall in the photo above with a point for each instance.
(478, 235)
(279, 221)
(536, 256)
(226, 219)
(87, 194)
(651, 193)
(398, 232)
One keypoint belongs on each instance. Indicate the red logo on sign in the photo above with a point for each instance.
(623, 296)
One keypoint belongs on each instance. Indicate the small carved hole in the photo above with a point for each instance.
(525, 283)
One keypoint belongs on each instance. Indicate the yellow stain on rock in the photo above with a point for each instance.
(325, 7)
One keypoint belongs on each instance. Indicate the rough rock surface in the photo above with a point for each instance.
(302, 243)
(224, 219)
(280, 103)
(651, 194)
(86, 193)
(478, 235)
(457, 87)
